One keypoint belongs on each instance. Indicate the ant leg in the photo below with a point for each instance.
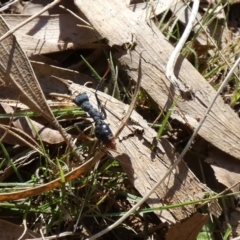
(82, 123)
(100, 106)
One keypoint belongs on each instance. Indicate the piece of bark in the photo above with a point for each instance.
(52, 29)
(114, 21)
(36, 46)
(144, 166)
(44, 73)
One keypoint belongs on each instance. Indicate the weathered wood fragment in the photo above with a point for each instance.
(114, 21)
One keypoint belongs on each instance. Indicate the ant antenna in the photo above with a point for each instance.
(100, 106)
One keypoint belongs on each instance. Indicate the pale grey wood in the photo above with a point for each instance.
(221, 127)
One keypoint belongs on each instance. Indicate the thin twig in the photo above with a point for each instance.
(25, 228)
(134, 99)
(75, 15)
(173, 58)
(84, 26)
(11, 31)
(7, 5)
(64, 234)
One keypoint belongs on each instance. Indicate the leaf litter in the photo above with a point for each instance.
(139, 177)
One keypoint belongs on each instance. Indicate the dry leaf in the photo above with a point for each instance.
(143, 166)
(156, 50)
(72, 175)
(16, 71)
(53, 34)
(35, 6)
(189, 229)
(36, 46)
(10, 231)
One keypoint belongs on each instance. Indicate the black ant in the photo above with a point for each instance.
(102, 131)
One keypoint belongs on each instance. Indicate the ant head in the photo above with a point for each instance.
(104, 134)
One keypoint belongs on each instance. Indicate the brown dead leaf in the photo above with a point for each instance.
(143, 166)
(35, 6)
(36, 46)
(118, 29)
(189, 229)
(14, 135)
(10, 231)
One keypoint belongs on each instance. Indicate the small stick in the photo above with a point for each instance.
(173, 58)
(84, 26)
(7, 5)
(11, 31)
(134, 99)
(76, 16)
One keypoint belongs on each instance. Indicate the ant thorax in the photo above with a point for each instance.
(102, 131)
